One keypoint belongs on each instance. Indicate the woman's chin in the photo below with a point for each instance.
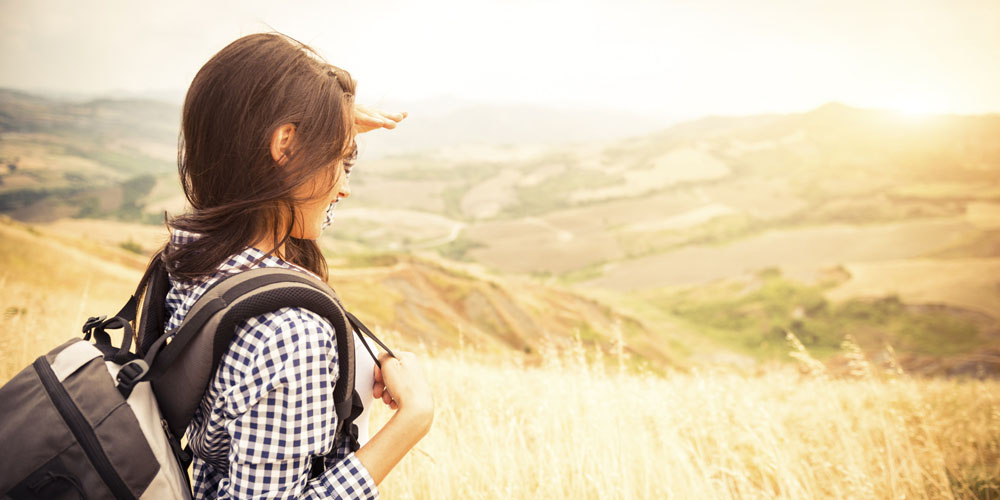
(310, 234)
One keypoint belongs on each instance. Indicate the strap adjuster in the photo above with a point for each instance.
(130, 374)
(93, 322)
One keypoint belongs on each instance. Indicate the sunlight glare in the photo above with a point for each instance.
(917, 107)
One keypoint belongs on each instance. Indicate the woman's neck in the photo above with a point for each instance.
(267, 243)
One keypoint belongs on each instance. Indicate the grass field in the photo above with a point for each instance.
(568, 430)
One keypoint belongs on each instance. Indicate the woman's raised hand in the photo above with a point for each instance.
(366, 119)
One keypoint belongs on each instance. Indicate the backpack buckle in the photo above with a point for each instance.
(92, 322)
(130, 374)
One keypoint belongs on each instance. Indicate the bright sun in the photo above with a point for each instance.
(916, 107)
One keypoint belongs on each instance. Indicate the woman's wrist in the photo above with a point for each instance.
(418, 416)
(401, 433)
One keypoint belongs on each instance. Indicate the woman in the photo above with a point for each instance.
(267, 146)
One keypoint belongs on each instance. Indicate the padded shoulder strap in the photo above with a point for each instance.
(183, 362)
(151, 319)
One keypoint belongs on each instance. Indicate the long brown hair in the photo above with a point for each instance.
(236, 190)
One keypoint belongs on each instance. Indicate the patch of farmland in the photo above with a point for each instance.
(412, 194)
(984, 215)
(489, 197)
(152, 148)
(572, 238)
(109, 232)
(392, 227)
(166, 195)
(504, 153)
(967, 283)
(534, 177)
(798, 252)
(679, 165)
(595, 156)
(943, 190)
(535, 244)
(682, 220)
(43, 164)
(759, 197)
(625, 212)
(738, 147)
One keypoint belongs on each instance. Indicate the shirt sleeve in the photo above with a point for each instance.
(282, 414)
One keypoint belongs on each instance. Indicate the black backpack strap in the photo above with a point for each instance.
(154, 284)
(152, 319)
(362, 331)
(182, 367)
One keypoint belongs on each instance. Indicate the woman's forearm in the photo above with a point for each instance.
(386, 448)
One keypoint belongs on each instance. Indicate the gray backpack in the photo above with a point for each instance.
(91, 420)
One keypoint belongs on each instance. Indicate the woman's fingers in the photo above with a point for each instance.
(379, 391)
(379, 383)
(406, 385)
(366, 119)
(389, 120)
(375, 115)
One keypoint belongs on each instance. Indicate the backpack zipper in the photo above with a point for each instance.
(81, 429)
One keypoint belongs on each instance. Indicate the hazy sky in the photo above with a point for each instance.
(688, 57)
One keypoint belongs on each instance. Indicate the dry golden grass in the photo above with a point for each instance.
(49, 287)
(571, 428)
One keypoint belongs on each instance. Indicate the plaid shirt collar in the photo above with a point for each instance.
(249, 258)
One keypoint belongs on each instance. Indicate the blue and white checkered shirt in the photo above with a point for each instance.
(269, 408)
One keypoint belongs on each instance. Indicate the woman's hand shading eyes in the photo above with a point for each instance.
(367, 119)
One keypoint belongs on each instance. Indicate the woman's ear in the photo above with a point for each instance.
(281, 142)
